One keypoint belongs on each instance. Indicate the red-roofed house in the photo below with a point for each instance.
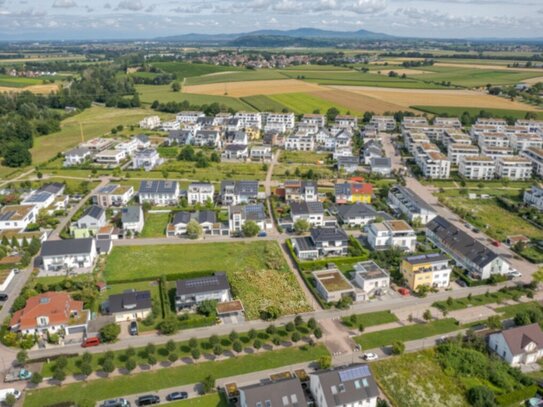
(51, 311)
(353, 192)
(521, 345)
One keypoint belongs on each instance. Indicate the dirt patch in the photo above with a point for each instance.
(426, 97)
(44, 89)
(251, 88)
(533, 81)
(357, 102)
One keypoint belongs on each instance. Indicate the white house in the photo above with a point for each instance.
(238, 215)
(300, 143)
(171, 125)
(110, 157)
(150, 122)
(200, 192)
(346, 121)
(40, 200)
(159, 192)
(17, 216)
(114, 195)
(191, 292)
(146, 159)
(392, 233)
(534, 197)
(235, 152)
(132, 219)
(207, 138)
(284, 119)
(130, 305)
(62, 255)
(92, 219)
(76, 156)
(410, 204)
(180, 221)
(535, 155)
(189, 117)
(521, 345)
(383, 123)
(261, 153)
(312, 212)
(371, 278)
(318, 120)
(249, 119)
(456, 151)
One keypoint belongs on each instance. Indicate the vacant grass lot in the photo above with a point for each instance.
(406, 333)
(369, 319)
(257, 271)
(474, 111)
(101, 389)
(155, 225)
(416, 379)
(302, 157)
(215, 171)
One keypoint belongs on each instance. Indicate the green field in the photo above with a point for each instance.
(257, 271)
(215, 171)
(316, 67)
(238, 76)
(155, 225)
(264, 103)
(16, 82)
(209, 400)
(187, 70)
(369, 319)
(474, 111)
(416, 379)
(101, 389)
(163, 93)
(306, 102)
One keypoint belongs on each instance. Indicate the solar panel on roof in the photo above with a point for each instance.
(7, 215)
(354, 373)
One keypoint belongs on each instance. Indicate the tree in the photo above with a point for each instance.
(36, 378)
(193, 343)
(494, 322)
(169, 325)
(108, 366)
(311, 323)
(152, 360)
(481, 396)
(130, 352)
(59, 375)
(86, 357)
(208, 307)
(110, 332)
(85, 368)
(172, 357)
(10, 400)
(398, 347)
(233, 336)
(295, 337)
(252, 334)
(61, 362)
(130, 364)
(22, 357)
(176, 86)
(317, 332)
(214, 340)
(17, 155)
(250, 229)
(217, 349)
(301, 226)
(208, 384)
(331, 114)
(427, 315)
(195, 353)
(150, 349)
(325, 362)
(237, 346)
(257, 344)
(290, 326)
(170, 346)
(194, 229)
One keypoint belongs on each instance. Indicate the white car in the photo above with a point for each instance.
(515, 274)
(370, 356)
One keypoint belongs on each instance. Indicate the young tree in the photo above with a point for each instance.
(150, 349)
(85, 368)
(208, 384)
(317, 332)
(250, 229)
(301, 226)
(398, 347)
(194, 229)
(110, 332)
(170, 346)
(108, 366)
(59, 375)
(22, 357)
(195, 353)
(36, 378)
(427, 316)
(233, 336)
(295, 337)
(176, 86)
(10, 400)
(172, 357)
(130, 365)
(237, 346)
(325, 362)
(193, 343)
(312, 323)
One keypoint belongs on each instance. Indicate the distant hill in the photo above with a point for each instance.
(299, 36)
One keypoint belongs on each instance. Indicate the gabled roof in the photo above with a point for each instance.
(129, 301)
(216, 282)
(142, 138)
(328, 234)
(67, 247)
(521, 336)
(306, 208)
(282, 393)
(353, 188)
(185, 217)
(93, 211)
(158, 187)
(356, 211)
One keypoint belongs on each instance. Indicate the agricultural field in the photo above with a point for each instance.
(474, 111)
(16, 82)
(416, 379)
(257, 271)
(188, 70)
(236, 76)
(264, 103)
(309, 102)
(251, 88)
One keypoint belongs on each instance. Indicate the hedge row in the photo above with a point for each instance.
(169, 277)
(517, 396)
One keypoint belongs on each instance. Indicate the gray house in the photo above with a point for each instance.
(281, 393)
(327, 241)
(132, 219)
(191, 292)
(92, 219)
(129, 305)
(356, 215)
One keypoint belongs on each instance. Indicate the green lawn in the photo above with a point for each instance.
(416, 379)
(306, 102)
(302, 157)
(509, 311)
(209, 400)
(406, 333)
(476, 300)
(264, 103)
(370, 319)
(474, 111)
(101, 389)
(16, 82)
(155, 225)
(257, 271)
(215, 171)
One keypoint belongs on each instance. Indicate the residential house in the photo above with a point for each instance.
(200, 193)
(40, 200)
(372, 149)
(383, 123)
(114, 195)
(233, 124)
(407, 202)
(535, 155)
(455, 152)
(261, 153)
(62, 255)
(479, 167)
(132, 219)
(97, 144)
(381, 166)
(326, 241)
(235, 152)
(281, 393)
(51, 312)
(237, 192)
(521, 142)
(146, 159)
(356, 215)
(150, 122)
(432, 270)
(192, 292)
(188, 117)
(180, 137)
(237, 137)
(517, 346)
(344, 387)
(479, 260)
(312, 212)
(238, 215)
(55, 188)
(314, 119)
(159, 192)
(392, 233)
(371, 278)
(76, 156)
(514, 168)
(332, 285)
(110, 157)
(171, 125)
(353, 192)
(130, 305)
(455, 137)
(276, 121)
(534, 197)
(300, 143)
(249, 119)
(17, 217)
(432, 162)
(497, 152)
(450, 122)
(346, 121)
(300, 190)
(208, 138)
(348, 164)
(92, 219)
(180, 221)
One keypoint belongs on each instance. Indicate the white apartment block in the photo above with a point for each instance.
(497, 152)
(451, 122)
(535, 155)
(300, 143)
(456, 151)
(150, 122)
(493, 140)
(411, 139)
(383, 123)
(188, 117)
(393, 233)
(436, 166)
(521, 142)
(534, 197)
(533, 126)
(318, 120)
(415, 121)
(455, 137)
(500, 123)
(200, 192)
(110, 157)
(249, 119)
(285, 119)
(514, 168)
(346, 122)
(171, 125)
(479, 167)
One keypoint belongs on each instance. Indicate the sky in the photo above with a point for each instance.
(147, 19)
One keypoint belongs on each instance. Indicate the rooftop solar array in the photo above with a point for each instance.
(354, 373)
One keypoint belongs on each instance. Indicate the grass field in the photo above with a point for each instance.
(16, 82)
(302, 157)
(215, 171)
(163, 93)
(370, 319)
(307, 102)
(187, 70)
(264, 103)
(101, 389)
(253, 87)
(378, 339)
(256, 271)
(476, 300)
(238, 76)
(155, 225)
(474, 111)
(416, 379)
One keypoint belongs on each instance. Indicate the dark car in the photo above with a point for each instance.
(147, 400)
(3, 297)
(461, 283)
(133, 328)
(177, 395)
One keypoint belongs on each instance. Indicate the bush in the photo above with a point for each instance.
(295, 337)
(208, 384)
(237, 346)
(195, 353)
(110, 332)
(317, 332)
(217, 349)
(168, 326)
(481, 396)
(398, 348)
(257, 344)
(325, 362)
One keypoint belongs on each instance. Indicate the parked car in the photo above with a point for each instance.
(495, 243)
(92, 341)
(16, 271)
(177, 395)
(461, 283)
(116, 403)
(262, 234)
(370, 356)
(4, 297)
(404, 291)
(515, 274)
(4, 394)
(147, 400)
(133, 328)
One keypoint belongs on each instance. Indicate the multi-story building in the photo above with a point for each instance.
(435, 165)
(17, 217)
(326, 241)
(114, 195)
(392, 233)
(345, 121)
(150, 122)
(300, 143)
(514, 168)
(383, 123)
(111, 157)
(285, 119)
(450, 122)
(159, 192)
(170, 125)
(455, 137)
(192, 292)
(496, 152)
(456, 151)
(412, 138)
(300, 190)
(76, 156)
(249, 119)
(189, 117)
(371, 278)
(318, 120)
(238, 192)
(146, 159)
(312, 212)
(493, 140)
(410, 204)
(352, 192)
(521, 142)
(478, 167)
(431, 270)
(238, 215)
(535, 155)
(534, 197)
(200, 193)
(499, 123)
(284, 393)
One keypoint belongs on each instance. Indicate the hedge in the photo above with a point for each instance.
(517, 396)
(169, 277)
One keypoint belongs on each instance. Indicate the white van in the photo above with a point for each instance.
(4, 393)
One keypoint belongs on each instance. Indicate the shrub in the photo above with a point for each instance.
(317, 332)
(208, 384)
(217, 349)
(481, 396)
(237, 346)
(311, 323)
(193, 342)
(257, 344)
(398, 347)
(295, 337)
(110, 332)
(290, 327)
(325, 362)
(172, 357)
(195, 353)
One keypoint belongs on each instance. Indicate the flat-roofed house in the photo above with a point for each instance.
(200, 192)
(325, 241)
(114, 195)
(479, 167)
(392, 233)
(535, 155)
(432, 270)
(17, 217)
(332, 285)
(371, 278)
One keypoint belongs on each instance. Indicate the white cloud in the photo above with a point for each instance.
(64, 4)
(134, 5)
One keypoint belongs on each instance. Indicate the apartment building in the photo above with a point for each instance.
(189, 117)
(318, 120)
(392, 233)
(493, 140)
(405, 201)
(114, 195)
(200, 193)
(150, 122)
(412, 138)
(455, 137)
(346, 122)
(110, 157)
(534, 197)
(300, 190)
(383, 123)
(499, 123)
(432, 270)
(435, 165)
(478, 167)
(514, 168)
(450, 122)
(535, 155)
(496, 152)
(249, 119)
(456, 151)
(521, 142)
(300, 143)
(284, 119)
